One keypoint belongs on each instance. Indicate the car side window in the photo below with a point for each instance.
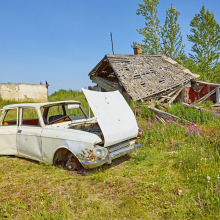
(10, 117)
(30, 117)
(54, 113)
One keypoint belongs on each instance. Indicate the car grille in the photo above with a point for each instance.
(118, 146)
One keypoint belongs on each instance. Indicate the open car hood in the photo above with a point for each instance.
(114, 116)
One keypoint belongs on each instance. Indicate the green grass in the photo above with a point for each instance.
(141, 186)
(193, 115)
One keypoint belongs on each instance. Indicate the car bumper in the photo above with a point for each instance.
(111, 156)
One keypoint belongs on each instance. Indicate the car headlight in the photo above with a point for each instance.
(100, 152)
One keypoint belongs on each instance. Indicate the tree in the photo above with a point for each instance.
(206, 44)
(171, 36)
(165, 40)
(151, 31)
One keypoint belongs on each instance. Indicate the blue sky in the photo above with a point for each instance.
(61, 41)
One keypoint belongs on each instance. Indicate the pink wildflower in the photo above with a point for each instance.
(197, 130)
(191, 128)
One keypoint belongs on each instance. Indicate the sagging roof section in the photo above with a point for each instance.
(141, 76)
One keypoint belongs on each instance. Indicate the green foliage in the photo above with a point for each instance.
(191, 114)
(151, 31)
(206, 44)
(155, 35)
(70, 94)
(191, 65)
(146, 112)
(171, 35)
(206, 104)
(133, 103)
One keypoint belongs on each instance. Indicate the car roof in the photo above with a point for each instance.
(37, 105)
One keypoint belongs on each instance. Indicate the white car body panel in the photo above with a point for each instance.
(78, 142)
(115, 117)
(8, 140)
(29, 142)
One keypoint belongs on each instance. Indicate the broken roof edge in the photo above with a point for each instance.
(187, 71)
(97, 65)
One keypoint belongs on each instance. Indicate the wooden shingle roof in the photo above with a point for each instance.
(146, 75)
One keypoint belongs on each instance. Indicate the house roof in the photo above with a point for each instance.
(145, 75)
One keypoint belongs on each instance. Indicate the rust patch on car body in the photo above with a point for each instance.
(86, 154)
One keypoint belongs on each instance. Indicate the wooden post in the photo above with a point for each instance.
(186, 94)
(217, 96)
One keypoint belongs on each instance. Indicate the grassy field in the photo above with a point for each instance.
(141, 186)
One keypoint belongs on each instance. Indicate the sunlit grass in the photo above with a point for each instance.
(141, 186)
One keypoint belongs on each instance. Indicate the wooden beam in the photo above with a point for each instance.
(217, 96)
(206, 96)
(174, 97)
(105, 84)
(208, 83)
(161, 119)
(186, 94)
(168, 116)
(169, 94)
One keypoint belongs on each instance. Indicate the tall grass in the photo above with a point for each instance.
(193, 155)
(192, 115)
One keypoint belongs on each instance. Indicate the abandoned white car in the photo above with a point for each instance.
(62, 133)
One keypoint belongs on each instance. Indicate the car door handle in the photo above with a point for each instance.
(19, 131)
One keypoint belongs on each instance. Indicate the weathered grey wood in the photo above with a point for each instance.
(175, 96)
(217, 96)
(105, 84)
(206, 96)
(216, 104)
(160, 119)
(169, 95)
(186, 95)
(168, 116)
(208, 83)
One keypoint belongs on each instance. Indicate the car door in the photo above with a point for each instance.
(29, 134)
(8, 131)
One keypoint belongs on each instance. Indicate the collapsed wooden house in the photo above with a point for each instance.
(146, 77)
(141, 77)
